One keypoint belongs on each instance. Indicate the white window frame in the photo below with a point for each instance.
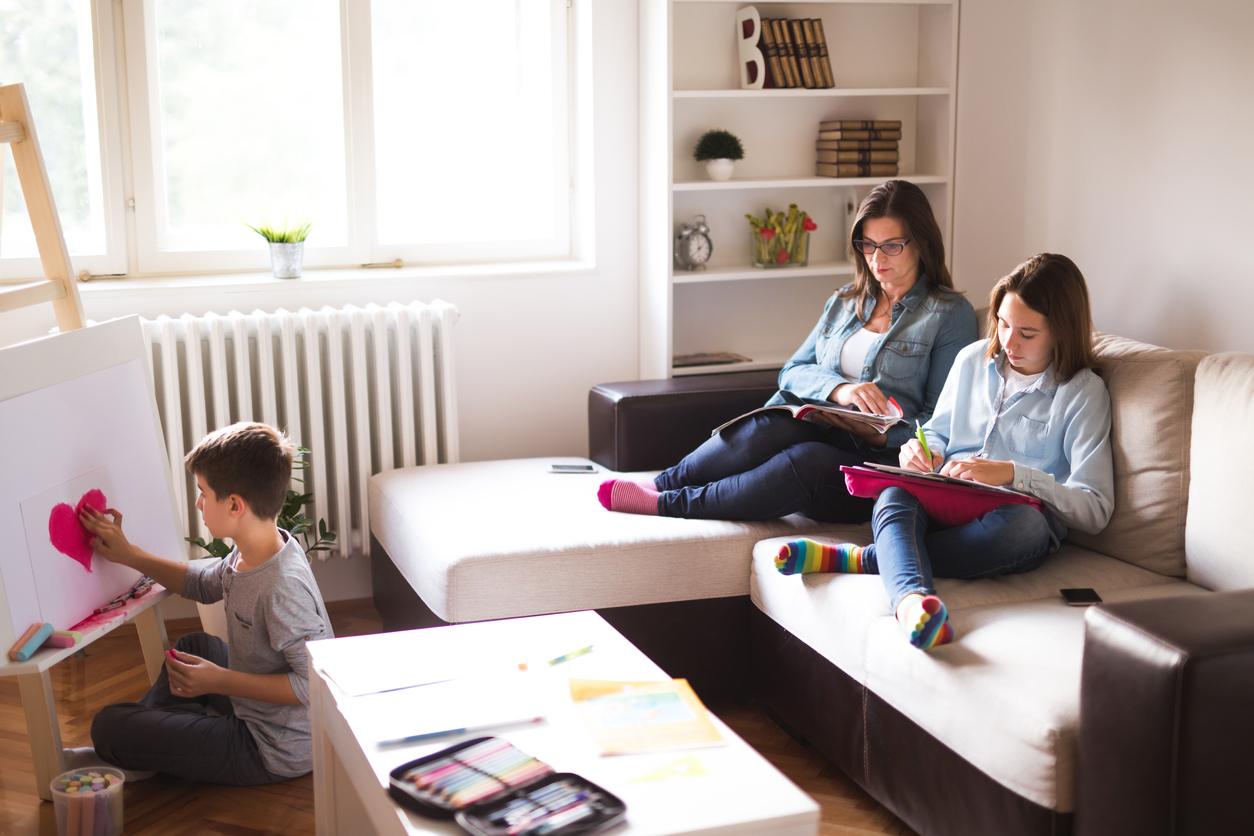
(570, 88)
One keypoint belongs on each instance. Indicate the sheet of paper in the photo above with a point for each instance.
(629, 717)
(468, 703)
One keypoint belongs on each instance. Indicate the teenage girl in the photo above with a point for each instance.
(1022, 408)
(893, 332)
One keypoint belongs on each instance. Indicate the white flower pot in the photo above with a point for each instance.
(720, 169)
(285, 259)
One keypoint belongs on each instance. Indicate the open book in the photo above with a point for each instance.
(806, 409)
(936, 477)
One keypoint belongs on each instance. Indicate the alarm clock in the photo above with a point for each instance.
(692, 243)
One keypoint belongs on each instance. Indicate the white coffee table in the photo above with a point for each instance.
(739, 793)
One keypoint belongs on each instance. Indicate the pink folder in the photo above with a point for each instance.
(948, 504)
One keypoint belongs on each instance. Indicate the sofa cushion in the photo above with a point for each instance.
(1151, 394)
(1217, 539)
(1005, 694)
(499, 539)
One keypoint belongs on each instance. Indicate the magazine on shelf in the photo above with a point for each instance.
(808, 410)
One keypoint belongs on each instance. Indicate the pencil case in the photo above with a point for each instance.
(491, 788)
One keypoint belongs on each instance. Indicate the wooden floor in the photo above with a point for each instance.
(112, 670)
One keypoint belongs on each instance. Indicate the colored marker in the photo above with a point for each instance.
(918, 433)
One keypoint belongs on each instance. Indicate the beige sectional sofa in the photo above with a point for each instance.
(985, 735)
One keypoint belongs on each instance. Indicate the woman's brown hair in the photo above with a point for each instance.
(905, 203)
(1054, 287)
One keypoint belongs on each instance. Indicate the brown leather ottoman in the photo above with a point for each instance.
(652, 424)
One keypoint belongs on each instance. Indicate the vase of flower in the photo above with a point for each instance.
(781, 240)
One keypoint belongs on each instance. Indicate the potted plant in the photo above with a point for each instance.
(719, 150)
(781, 240)
(287, 245)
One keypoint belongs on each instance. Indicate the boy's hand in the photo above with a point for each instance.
(108, 540)
(986, 471)
(912, 458)
(192, 676)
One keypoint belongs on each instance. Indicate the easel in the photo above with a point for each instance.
(17, 129)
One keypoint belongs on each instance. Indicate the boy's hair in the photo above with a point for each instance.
(1054, 287)
(248, 459)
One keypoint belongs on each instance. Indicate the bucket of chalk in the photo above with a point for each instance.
(88, 802)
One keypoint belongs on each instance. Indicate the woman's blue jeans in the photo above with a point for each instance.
(767, 466)
(909, 550)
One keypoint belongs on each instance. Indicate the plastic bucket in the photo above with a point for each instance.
(88, 802)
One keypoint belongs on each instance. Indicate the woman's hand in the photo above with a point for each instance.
(855, 428)
(108, 539)
(192, 676)
(912, 457)
(986, 471)
(865, 396)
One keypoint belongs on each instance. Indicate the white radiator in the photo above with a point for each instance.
(365, 389)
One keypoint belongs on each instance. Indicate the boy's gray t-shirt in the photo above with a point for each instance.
(271, 611)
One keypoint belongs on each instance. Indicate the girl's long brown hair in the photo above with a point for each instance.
(1054, 287)
(905, 203)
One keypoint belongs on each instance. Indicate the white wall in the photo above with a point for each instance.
(1120, 133)
(528, 349)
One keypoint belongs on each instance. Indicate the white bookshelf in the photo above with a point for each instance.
(892, 59)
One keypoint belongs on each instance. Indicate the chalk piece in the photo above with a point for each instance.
(28, 649)
(76, 635)
(102, 815)
(88, 826)
(21, 642)
(73, 815)
(109, 776)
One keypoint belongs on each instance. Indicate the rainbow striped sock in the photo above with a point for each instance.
(925, 621)
(801, 557)
(628, 497)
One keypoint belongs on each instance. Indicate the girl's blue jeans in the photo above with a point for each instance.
(909, 550)
(767, 466)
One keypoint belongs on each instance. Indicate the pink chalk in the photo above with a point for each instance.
(60, 641)
(67, 534)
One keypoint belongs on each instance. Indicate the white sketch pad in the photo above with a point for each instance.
(75, 405)
(63, 587)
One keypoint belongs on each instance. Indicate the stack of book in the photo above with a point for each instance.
(858, 148)
(796, 53)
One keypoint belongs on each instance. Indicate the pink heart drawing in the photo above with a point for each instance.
(67, 533)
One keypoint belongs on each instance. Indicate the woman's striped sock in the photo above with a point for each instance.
(628, 497)
(801, 557)
(925, 621)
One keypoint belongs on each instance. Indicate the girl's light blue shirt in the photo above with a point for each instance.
(1056, 434)
(909, 362)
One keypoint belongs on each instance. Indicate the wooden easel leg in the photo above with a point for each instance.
(41, 726)
(325, 820)
(152, 640)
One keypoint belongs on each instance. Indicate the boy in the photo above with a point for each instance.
(236, 712)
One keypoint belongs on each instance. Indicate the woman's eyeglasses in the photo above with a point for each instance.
(888, 248)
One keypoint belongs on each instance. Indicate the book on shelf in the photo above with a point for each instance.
(861, 125)
(788, 51)
(797, 32)
(774, 70)
(812, 48)
(856, 169)
(856, 145)
(857, 156)
(710, 358)
(824, 58)
(806, 409)
(844, 134)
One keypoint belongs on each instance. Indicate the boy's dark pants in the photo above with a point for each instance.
(177, 735)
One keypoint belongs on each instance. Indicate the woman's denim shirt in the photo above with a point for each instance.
(908, 362)
(1056, 433)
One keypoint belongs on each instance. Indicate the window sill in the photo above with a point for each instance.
(326, 278)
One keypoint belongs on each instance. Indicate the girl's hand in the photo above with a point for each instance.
(912, 457)
(192, 676)
(986, 471)
(856, 428)
(865, 396)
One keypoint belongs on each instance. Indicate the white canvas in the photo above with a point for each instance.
(54, 442)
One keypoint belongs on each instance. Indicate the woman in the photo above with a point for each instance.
(1022, 408)
(892, 333)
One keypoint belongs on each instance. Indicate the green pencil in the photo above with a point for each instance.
(918, 433)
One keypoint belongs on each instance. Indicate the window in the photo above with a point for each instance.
(430, 132)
